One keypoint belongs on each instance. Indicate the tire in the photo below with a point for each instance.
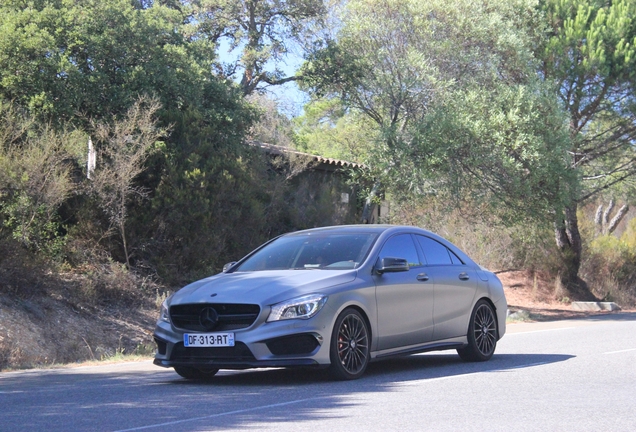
(482, 334)
(191, 373)
(350, 346)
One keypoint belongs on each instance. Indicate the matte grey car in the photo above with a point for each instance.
(335, 297)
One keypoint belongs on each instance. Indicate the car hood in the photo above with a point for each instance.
(261, 287)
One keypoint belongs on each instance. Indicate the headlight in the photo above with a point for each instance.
(301, 307)
(164, 315)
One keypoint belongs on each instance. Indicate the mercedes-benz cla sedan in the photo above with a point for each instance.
(335, 297)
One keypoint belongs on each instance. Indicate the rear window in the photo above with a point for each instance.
(436, 253)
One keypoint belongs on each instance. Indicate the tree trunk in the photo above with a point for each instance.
(123, 237)
(370, 205)
(568, 239)
(617, 219)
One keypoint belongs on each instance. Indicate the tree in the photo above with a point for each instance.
(85, 63)
(452, 90)
(393, 60)
(500, 152)
(67, 60)
(262, 29)
(204, 189)
(590, 59)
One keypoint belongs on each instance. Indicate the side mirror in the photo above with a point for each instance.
(228, 266)
(392, 265)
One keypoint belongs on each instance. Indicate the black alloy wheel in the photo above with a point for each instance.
(191, 373)
(482, 334)
(349, 346)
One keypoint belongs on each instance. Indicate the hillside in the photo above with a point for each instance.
(56, 322)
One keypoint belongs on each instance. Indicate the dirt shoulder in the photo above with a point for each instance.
(536, 296)
(44, 331)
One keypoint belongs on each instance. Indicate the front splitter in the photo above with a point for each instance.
(239, 365)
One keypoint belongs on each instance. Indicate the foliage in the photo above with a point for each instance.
(504, 148)
(93, 58)
(87, 63)
(452, 92)
(327, 129)
(217, 203)
(210, 189)
(591, 57)
(35, 179)
(392, 60)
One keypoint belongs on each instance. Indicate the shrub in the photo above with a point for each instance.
(609, 266)
(36, 163)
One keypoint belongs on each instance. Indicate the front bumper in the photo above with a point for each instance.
(288, 343)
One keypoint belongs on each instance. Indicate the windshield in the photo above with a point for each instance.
(311, 251)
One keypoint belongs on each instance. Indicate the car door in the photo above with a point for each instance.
(404, 299)
(455, 288)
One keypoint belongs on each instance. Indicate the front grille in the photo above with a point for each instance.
(293, 345)
(239, 352)
(229, 316)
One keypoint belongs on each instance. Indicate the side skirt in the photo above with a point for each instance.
(437, 346)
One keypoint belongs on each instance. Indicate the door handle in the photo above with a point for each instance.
(422, 277)
(464, 276)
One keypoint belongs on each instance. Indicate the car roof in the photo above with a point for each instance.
(369, 228)
(345, 228)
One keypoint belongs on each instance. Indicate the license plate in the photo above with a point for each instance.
(208, 339)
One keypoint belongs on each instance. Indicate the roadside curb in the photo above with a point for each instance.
(595, 306)
(520, 315)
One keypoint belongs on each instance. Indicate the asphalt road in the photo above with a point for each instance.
(575, 375)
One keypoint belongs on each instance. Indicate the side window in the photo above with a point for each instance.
(435, 252)
(401, 246)
(455, 258)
